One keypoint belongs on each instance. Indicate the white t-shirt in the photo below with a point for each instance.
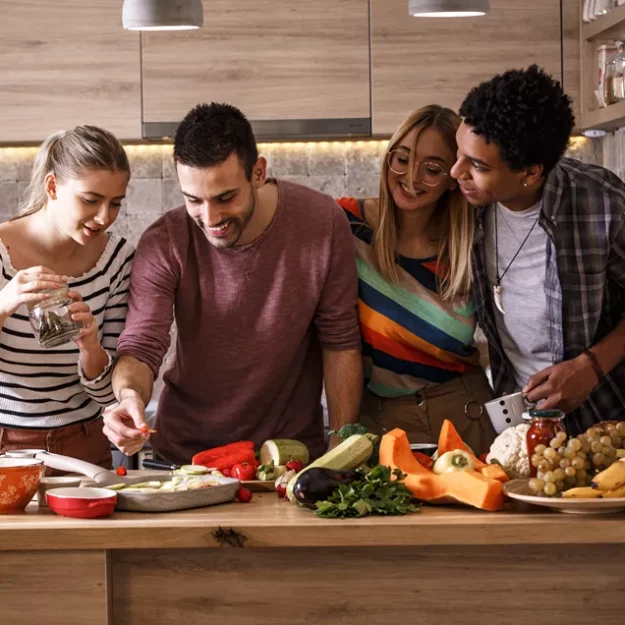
(523, 329)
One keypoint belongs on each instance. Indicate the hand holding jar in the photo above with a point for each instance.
(80, 312)
(26, 288)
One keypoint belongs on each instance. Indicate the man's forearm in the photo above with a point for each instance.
(610, 351)
(132, 376)
(343, 379)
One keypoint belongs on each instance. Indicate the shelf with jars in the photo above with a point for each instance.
(603, 64)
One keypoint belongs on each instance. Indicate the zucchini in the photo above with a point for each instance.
(281, 450)
(350, 454)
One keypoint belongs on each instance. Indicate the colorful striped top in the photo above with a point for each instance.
(411, 337)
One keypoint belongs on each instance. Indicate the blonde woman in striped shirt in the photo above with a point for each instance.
(53, 398)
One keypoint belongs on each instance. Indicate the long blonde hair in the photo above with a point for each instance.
(67, 154)
(457, 221)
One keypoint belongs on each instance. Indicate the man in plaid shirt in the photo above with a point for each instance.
(549, 250)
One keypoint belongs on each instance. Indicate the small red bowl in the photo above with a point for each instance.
(82, 503)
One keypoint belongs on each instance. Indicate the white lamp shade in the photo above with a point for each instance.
(448, 8)
(162, 14)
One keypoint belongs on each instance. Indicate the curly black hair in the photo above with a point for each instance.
(523, 112)
(210, 133)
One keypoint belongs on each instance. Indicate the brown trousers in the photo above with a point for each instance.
(421, 415)
(84, 441)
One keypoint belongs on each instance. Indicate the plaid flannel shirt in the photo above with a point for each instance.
(583, 214)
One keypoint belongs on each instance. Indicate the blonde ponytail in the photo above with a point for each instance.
(67, 154)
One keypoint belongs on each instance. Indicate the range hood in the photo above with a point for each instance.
(282, 130)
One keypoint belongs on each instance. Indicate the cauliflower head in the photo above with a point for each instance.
(509, 449)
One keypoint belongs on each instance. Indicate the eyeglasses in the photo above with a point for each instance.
(430, 174)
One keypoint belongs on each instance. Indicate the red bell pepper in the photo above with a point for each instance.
(205, 457)
(227, 461)
(423, 459)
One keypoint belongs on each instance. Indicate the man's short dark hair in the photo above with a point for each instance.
(523, 112)
(210, 133)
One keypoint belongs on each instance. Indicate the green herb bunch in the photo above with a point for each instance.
(375, 492)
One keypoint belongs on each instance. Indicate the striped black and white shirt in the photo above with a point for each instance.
(44, 388)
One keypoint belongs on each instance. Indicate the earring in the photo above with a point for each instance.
(525, 183)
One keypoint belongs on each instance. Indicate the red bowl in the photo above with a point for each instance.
(82, 503)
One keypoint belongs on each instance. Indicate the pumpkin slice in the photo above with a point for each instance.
(450, 440)
(494, 472)
(395, 452)
(468, 487)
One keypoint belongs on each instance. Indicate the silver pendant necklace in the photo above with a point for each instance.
(497, 288)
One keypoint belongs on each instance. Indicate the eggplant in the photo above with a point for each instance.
(317, 484)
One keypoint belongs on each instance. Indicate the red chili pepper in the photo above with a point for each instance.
(294, 465)
(121, 471)
(244, 495)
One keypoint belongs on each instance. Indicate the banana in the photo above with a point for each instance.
(617, 492)
(611, 478)
(582, 492)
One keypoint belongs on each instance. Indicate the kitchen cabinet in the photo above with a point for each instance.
(419, 61)
(65, 63)
(279, 61)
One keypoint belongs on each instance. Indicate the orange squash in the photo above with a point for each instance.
(450, 440)
(494, 472)
(468, 487)
(395, 452)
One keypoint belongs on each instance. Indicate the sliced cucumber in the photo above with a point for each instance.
(194, 469)
(152, 484)
(117, 487)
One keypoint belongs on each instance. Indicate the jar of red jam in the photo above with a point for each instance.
(544, 426)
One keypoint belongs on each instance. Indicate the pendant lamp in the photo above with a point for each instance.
(448, 8)
(162, 14)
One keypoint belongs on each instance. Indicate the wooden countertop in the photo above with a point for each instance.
(269, 522)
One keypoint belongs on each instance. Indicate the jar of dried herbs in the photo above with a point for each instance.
(51, 320)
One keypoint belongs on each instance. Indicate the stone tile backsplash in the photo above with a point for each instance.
(336, 168)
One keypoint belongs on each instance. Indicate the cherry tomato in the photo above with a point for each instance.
(226, 472)
(121, 471)
(281, 491)
(243, 471)
(244, 495)
(294, 465)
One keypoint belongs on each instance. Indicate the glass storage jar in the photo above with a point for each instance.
(618, 73)
(544, 426)
(51, 320)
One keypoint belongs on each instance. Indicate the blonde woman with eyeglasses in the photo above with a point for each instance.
(413, 248)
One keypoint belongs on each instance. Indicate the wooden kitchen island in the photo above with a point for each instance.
(271, 562)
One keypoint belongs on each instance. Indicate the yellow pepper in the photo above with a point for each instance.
(450, 461)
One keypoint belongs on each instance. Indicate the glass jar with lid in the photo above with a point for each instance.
(51, 319)
(544, 425)
(618, 73)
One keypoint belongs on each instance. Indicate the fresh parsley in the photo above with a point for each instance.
(373, 493)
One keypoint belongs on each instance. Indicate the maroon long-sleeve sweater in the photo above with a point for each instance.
(251, 321)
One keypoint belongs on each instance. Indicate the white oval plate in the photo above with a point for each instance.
(520, 490)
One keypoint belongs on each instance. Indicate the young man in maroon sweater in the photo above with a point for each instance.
(260, 277)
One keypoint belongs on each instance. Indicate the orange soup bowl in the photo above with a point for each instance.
(19, 480)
